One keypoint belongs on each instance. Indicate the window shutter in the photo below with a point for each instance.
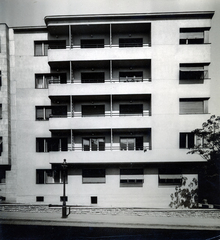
(191, 107)
(191, 35)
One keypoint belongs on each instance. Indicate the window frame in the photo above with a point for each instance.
(93, 175)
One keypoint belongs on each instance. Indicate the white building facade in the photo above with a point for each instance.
(117, 96)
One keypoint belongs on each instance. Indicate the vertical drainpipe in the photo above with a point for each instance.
(70, 35)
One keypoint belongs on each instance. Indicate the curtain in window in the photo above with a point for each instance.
(38, 49)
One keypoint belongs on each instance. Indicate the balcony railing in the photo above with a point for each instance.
(124, 80)
(106, 114)
(109, 148)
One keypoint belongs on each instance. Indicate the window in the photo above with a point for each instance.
(193, 106)
(51, 144)
(187, 140)
(130, 42)
(94, 200)
(93, 77)
(131, 177)
(93, 110)
(170, 176)
(131, 143)
(41, 48)
(2, 175)
(63, 198)
(93, 176)
(92, 43)
(131, 76)
(193, 73)
(43, 80)
(1, 145)
(45, 176)
(131, 109)
(43, 113)
(39, 199)
(194, 35)
(93, 144)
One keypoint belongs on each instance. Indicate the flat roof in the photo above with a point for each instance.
(128, 17)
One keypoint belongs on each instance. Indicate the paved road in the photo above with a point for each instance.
(109, 220)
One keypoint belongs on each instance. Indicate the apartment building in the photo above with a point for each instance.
(117, 96)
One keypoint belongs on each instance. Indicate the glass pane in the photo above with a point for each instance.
(39, 82)
(131, 144)
(123, 144)
(38, 49)
(48, 112)
(86, 146)
(40, 113)
(46, 45)
(94, 144)
(57, 176)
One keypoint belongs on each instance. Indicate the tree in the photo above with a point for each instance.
(185, 196)
(208, 144)
(208, 147)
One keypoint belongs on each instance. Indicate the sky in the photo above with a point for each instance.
(32, 13)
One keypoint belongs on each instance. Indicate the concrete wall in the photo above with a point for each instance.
(164, 55)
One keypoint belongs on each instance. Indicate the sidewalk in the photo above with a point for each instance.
(114, 221)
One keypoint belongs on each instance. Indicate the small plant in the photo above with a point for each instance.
(185, 196)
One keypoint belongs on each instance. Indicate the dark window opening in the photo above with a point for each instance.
(192, 41)
(92, 43)
(187, 140)
(59, 111)
(41, 47)
(93, 110)
(94, 200)
(39, 199)
(130, 109)
(0, 79)
(1, 145)
(2, 175)
(51, 144)
(62, 198)
(130, 42)
(93, 144)
(93, 77)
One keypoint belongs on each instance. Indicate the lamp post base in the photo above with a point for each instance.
(64, 215)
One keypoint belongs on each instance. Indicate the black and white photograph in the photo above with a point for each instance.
(110, 119)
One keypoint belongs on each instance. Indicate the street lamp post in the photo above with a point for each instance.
(64, 166)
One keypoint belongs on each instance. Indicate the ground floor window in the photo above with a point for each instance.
(168, 177)
(131, 177)
(45, 176)
(93, 176)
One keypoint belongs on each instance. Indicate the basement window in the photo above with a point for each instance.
(130, 42)
(93, 176)
(193, 106)
(94, 200)
(39, 199)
